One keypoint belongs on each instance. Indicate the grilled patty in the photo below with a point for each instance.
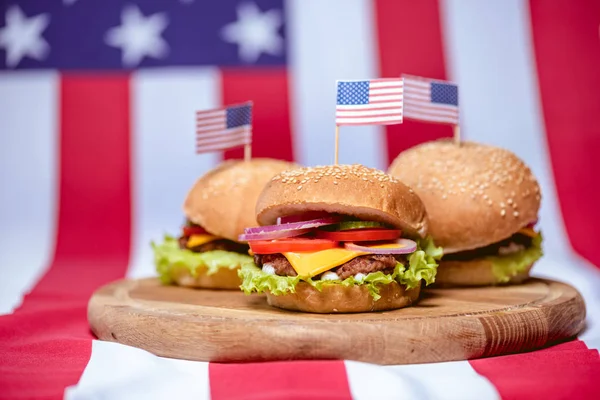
(518, 239)
(220, 244)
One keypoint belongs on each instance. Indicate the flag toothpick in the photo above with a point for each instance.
(432, 100)
(457, 135)
(247, 152)
(225, 128)
(337, 142)
(368, 102)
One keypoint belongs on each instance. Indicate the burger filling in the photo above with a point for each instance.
(197, 251)
(335, 250)
(511, 245)
(510, 256)
(279, 265)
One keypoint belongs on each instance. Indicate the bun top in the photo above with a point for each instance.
(223, 200)
(475, 194)
(353, 190)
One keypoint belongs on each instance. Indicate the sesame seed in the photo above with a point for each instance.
(502, 204)
(299, 187)
(516, 214)
(509, 201)
(489, 202)
(503, 212)
(335, 182)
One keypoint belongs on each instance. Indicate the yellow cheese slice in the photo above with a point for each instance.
(312, 264)
(197, 240)
(528, 231)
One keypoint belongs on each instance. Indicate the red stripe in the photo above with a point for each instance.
(268, 89)
(279, 380)
(399, 113)
(566, 371)
(419, 38)
(46, 343)
(369, 109)
(567, 50)
(393, 121)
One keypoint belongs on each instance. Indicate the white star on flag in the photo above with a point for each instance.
(254, 32)
(22, 36)
(138, 36)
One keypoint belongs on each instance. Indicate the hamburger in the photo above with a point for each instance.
(339, 239)
(220, 204)
(483, 203)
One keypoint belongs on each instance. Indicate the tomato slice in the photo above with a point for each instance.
(291, 244)
(193, 230)
(362, 235)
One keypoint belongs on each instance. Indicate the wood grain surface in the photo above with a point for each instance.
(229, 326)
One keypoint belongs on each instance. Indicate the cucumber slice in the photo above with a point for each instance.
(350, 225)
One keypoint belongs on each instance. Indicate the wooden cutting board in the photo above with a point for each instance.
(229, 326)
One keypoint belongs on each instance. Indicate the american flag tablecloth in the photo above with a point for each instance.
(97, 106)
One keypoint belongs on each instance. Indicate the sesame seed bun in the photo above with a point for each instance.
(342, 299)
(354, 190)
(476, 272)
(223, 200)
(475, 194)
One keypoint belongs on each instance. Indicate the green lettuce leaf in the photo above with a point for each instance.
(509, 265)
(168, 255)
(422, 265)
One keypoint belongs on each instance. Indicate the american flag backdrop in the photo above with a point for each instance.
(97, 151)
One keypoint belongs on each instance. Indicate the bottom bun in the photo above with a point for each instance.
(342, 299)
(224, 278)
(478, 272)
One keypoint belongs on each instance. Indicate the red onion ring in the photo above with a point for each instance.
(406, 246)
(313, 223)
(280, 234)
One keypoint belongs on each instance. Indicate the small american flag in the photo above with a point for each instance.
(430, 100)
(223, 128)
(376, 101)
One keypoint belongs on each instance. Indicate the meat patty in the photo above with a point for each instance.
(490, 250)
(363, 264)
(366, 264)
(279, 263)
(220, 244)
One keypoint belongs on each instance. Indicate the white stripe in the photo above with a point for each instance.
(417, 97)
(367, 106)
(367, 119)
(394, 97)
(223, 143)
(319, 33)
(444, 381)
(417, 84)
(116, 371)
(165, 163)
(211, 114)
(209, 121)
(377, 92)
(443, 108)
(417, 91)
(368, 112)
(478, 47)
(204, 128)
(395, 83)
(428, 117)
(29, 121)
